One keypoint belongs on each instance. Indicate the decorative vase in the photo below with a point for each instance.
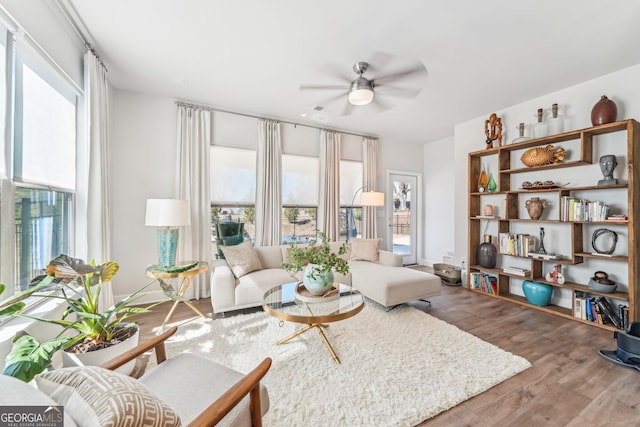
(535, 206)
(103, 355)
(556, 124)
(540, 129)
(604, 111)
(487, 253)
(491, 185)
(521, 136)
(482, 181)
(318, 285)
(537, 293)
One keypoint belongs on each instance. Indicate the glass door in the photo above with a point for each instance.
(402, 191)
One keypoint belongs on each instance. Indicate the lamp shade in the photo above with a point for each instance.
(371, 198)
(167, 213)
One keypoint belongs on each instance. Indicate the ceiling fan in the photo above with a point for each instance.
(364, 90)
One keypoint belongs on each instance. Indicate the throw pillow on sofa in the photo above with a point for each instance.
(94, 396)
(242, 258)
(365, 249)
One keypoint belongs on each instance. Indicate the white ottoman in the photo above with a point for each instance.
(391, 286)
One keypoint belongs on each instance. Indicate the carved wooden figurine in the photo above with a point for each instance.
(493, 130)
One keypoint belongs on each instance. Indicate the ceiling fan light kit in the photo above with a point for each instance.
(361, 89)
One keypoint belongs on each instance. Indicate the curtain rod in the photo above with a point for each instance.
(78, 31)
(204, 107)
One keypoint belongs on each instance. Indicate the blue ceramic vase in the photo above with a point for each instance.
(537, 293)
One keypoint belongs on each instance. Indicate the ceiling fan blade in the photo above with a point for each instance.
(348, 109)
(332, 99)
(401, 92)
(324, 87)
(417, 70)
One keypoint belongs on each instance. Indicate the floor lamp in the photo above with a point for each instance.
(367, 198)
(167, 215)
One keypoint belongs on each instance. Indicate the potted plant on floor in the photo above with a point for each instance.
(79, 284)
(318, 262)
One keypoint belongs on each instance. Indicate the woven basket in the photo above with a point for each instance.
(449, 274)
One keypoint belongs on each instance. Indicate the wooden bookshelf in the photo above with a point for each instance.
(576, 230)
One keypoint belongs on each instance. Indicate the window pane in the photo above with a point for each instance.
(350, 182)
(48, 134)
(43, 230)
(228, 214)
(298, 224)
(299, 180)
(350, 223)
(233, 176)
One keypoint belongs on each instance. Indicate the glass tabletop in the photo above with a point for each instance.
(283, 303)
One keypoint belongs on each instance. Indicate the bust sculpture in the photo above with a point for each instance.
(607, 164)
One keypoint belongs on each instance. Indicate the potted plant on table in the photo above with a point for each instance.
(318, 262)
(79, 285)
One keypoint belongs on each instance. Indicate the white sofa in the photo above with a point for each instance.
(384, 281)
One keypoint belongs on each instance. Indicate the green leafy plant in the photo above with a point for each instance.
(318, 253)
(80, 285)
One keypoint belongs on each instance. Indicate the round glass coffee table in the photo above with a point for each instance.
(284, 303)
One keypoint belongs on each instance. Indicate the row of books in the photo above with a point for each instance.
(516, 244)
(573, 209)
(483, 282)
(599, 310)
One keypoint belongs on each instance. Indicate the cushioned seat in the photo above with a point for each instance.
(185, 378)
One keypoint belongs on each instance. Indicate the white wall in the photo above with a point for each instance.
(438, 219)
(143, 166)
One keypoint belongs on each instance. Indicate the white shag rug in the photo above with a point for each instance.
(398, 368)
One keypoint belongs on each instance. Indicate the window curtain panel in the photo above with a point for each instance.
(194, 141)
(98, 218)
(369, 180)
(268, 184)
(329, 201)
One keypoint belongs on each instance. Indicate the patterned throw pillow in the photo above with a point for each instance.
(365, 249)
(242, 258)
(95, 396)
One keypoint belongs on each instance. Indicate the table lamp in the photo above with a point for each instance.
(168, 215)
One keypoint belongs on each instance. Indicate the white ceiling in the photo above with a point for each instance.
(250, 56)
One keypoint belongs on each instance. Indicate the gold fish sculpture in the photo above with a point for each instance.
(539, 156)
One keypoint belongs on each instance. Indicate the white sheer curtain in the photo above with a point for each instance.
(329, 201)
(369, 180)
(268, 184)
(98, 218)
(194, 140)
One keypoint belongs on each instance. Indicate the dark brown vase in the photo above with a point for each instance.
(605, 111)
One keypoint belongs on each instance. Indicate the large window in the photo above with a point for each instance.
(233, 188)
(39, 162)
(299, 197)
(350, 210)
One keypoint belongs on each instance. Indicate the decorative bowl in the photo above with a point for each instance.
(602, 287)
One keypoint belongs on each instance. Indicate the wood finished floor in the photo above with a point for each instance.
(569, 384)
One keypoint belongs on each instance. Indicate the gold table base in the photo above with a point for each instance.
(319, 327)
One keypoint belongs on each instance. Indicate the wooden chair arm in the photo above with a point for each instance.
(249, 384)
(156, 343)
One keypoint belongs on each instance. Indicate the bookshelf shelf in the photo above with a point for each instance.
(575, 232)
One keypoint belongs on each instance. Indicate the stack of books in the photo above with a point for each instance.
(517, 271)
(599, 310)
(484, 282)
(516, 244)
(573, 209)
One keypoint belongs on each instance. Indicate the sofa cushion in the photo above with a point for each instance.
(242, 258)
(270, 256)
(94, 396)
(365, 249)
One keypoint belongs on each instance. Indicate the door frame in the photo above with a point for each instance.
(418, 212)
